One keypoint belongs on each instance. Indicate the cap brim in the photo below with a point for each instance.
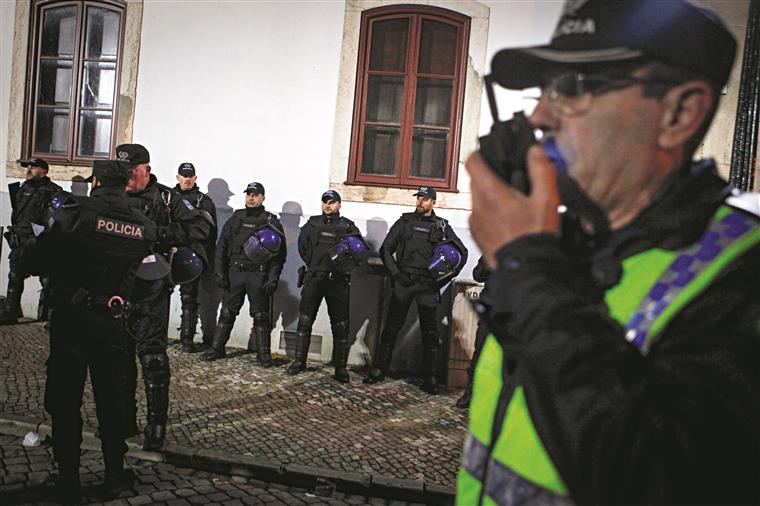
(521, 68)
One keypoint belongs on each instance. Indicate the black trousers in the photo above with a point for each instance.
(86, 339)
(427, 296)
(16, 275)
(201, 296)
(242, 284)
(333, 288)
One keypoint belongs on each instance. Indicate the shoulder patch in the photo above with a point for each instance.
(188, 204)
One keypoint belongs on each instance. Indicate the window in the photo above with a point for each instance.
(409, 96)
(74, 61)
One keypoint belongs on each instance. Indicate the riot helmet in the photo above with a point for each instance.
(263, 245)
(446, 260)
(350, 251)
(186, 265)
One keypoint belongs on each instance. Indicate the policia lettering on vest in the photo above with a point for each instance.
(621, 363)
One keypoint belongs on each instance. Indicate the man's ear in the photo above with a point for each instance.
(178, 179)
(686, 107)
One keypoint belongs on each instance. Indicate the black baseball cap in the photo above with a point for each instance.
(186, 169)
(427, 192)
(330, 195)
(595, 32)
(34, 162)
(113, 170)
(134, 154)
(255, 188)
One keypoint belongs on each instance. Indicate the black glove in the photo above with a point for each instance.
(402, 279)
(223, 282)
(269, 287)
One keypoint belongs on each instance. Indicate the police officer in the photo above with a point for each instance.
(188, 189)
(247, 264)
(327, 276)
(27, 202)
(180, 223)
(412, 239)
(92, 249)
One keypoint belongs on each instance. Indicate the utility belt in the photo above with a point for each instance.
(241, 266)
(416, 273)
(118, 307)
(331, 275)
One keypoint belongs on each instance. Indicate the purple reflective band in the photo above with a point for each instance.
(682, 271)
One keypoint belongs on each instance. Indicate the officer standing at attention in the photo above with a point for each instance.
(250, 255)
(189, 292)
(412, 239)
(325, 275)
(92, 249)
(180, 224)
(27, 200)
(632, 343)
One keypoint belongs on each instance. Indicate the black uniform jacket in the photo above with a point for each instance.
(201, 201)
(307, 239)
(680, 425)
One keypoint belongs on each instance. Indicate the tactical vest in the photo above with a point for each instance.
(323, 238)
(511, 465)
(419, 236)
(30, 200)
(156, 200)
(243, 227)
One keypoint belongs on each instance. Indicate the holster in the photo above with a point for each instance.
(301, 276)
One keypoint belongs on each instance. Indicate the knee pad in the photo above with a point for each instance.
(339, 327)
(261, 319)
(189, 300)
(226, 315)
(304, 323)
(155, 367)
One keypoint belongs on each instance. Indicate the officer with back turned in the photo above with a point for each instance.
(249, 258)
(150, 323)
(27, 200)
(187, 189)
(92, 248)
(412, 239)
(324, 248)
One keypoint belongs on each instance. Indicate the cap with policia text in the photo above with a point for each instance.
(186, 169)
(426, 192)
(594, 32)
(34, 162)
(255, 188)
(111, 170)
(132, 153)
(330, 195)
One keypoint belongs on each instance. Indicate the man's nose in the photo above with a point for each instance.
(543, 116)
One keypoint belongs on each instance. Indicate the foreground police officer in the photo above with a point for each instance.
(249, 258)
(325, 275)
(27, 201)
(205, 285)
(92, 250)
(150, 322)
(632, 354)
(412, 239)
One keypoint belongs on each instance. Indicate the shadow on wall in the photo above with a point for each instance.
(288, 295)
(220, 193)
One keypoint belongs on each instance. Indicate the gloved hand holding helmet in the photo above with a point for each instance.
(263, 245)
(186, 265)
(446, 261)
(349, 252)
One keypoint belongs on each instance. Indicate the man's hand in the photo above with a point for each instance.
(501, 214)
(269, 287)
(222, 281)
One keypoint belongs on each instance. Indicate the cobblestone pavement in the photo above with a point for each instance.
(27, 474)
(392, 429)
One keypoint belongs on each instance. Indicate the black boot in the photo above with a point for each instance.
(340, 351)
(303, 340)
(382, 357)
(117, 479)
(43, 308)
(263, 343)
(189, 321)
(157, 397)
(13, 300)
(430, 371)
(67, 488)
(223, 330)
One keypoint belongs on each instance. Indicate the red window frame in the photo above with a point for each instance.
(416, 14)
(39, 7)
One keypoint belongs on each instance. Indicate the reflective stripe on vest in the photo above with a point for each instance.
(655, 286)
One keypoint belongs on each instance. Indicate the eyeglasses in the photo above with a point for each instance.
(571, 94)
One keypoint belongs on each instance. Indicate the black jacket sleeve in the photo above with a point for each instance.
(389, 246)
(481, 271)
(304, 243)
(274, 269)
(679, 425)
(452, 236)
(221, 258)
(189, 225)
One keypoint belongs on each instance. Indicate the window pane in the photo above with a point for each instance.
(98, 84)
(438, 48)
(94, 133)
(52, 131)
(55, 82)
(385, 95)
(380, 148)
(388, 51)
(102, 33)
(432, 106)
(429, 153)
(58, 31)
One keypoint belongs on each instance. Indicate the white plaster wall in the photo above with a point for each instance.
(7, 15)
